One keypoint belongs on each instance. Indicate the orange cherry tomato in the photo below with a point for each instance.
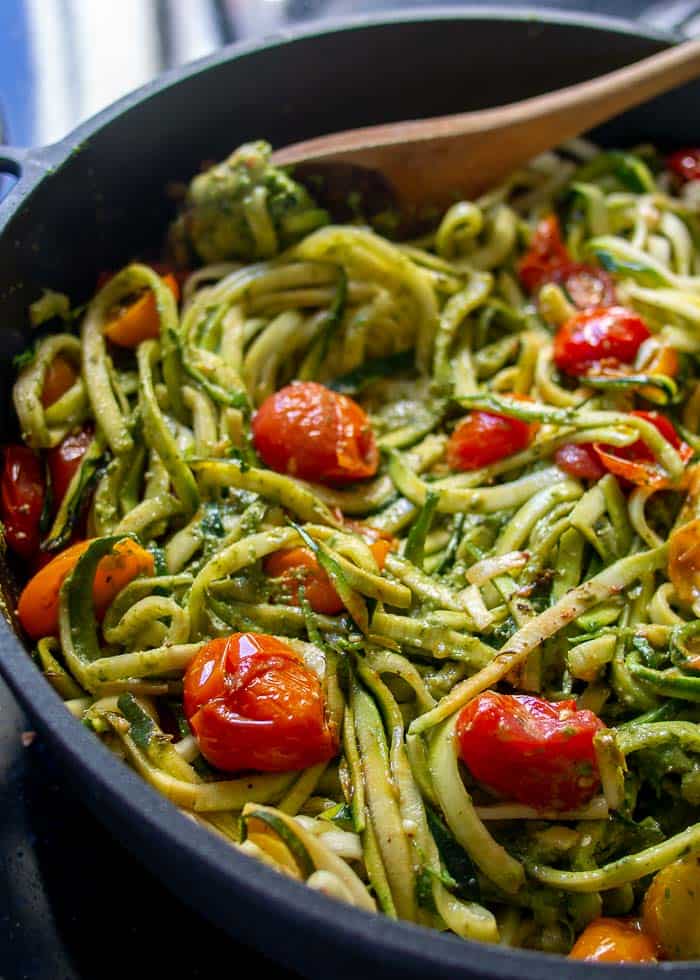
(22, 494)
(614, 941)
(485, 437)
(64, 460)
(139, 320)
(297, 567)
(684, 561)
(60, 376)
(580, 461)
(307, 430)
(527, 749)
(671, 909)
(685, 163)
(602, 335)
(38, 604)
(635, 463)
(254, 704)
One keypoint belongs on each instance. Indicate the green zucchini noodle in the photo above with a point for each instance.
(515, 576)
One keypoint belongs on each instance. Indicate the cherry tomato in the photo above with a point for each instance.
(138, 319)
(580, 461)
(64, 460)
(309, 431)
(547, 254)
(602, 335)
(684, 561)
(671, 909)
(614, 941)
(60, 376)
(585, 286)
(527, 749)
(635, 463)
(685, 163)
(253, 704)
(548, 260)
(38, 605)
(485, 437)
(22, 493)
(297, 567)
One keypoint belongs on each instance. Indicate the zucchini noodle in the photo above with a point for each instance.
(513, 576)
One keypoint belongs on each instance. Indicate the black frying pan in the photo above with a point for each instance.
(98, 197)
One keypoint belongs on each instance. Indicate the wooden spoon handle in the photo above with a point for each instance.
(469, 151)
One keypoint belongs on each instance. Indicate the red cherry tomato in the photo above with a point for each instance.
(548, 260)
(580, 461)
(596, 336)
(297, 567)
(585, 286)
(531, 750)
(614, 941)
(686, 163)
(485, 437)
(60, 376)
(546, 255)
(309, 431)
(22, 492)
(635, 462)
(253, 704)
(64, 459)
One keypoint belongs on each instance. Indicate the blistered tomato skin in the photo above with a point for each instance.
(530, 750)
(485, 437)
(252, 703)
(548, 260)
(22, 494)
(611, 335)
(309, 431)
(686, 163)
(64, 459)
(609, 940)
(580, 461)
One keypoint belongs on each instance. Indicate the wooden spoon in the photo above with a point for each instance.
(432, 162)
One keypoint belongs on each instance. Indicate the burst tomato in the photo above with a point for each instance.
(635, 463)
(580, 461)
(686, 163)
(22, 493)
(307, 430)
(527, 749)
(546, 255)
(297, 567)
(585, 286)
(598, 336)
(485, 437)
(253, 704)
(614, 941)
(548, 260)
(64, 460)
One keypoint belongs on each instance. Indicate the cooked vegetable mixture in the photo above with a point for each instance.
(382, 560)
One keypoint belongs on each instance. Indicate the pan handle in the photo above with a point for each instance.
(12, 159)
